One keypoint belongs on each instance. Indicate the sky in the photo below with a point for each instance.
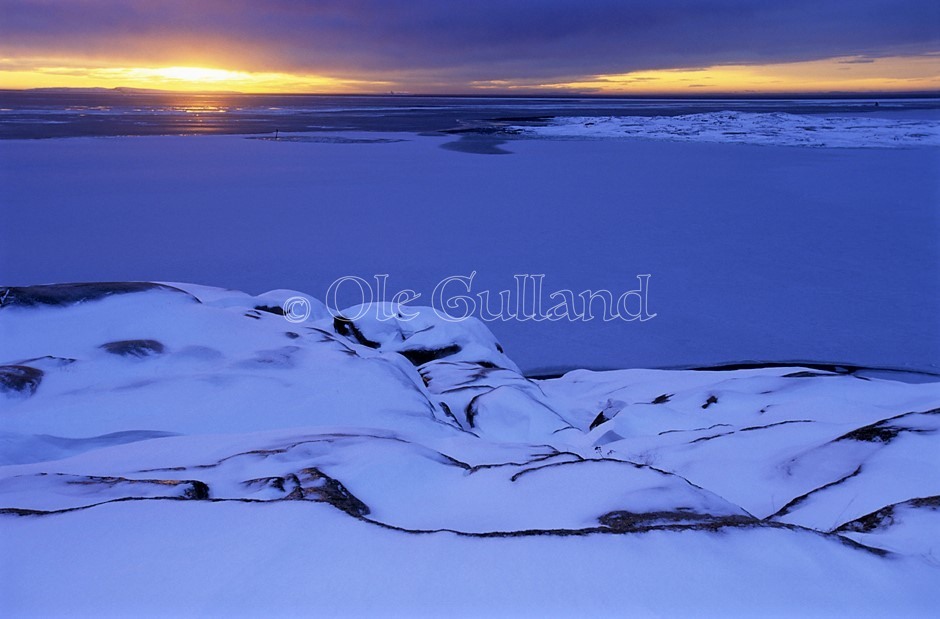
(473, 46)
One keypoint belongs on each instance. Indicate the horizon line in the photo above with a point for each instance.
(846, 94)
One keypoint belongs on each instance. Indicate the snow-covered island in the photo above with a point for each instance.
(180, 449)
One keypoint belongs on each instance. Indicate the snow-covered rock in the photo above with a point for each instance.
(156, 398)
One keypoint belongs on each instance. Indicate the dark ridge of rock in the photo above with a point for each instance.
(774, 425)
(826, 369)
(786, 509)
(61, 295)
(869, 522)
(47, 361)
(449, 413)
(474, 371)
(269, 482)
(134, 348)
(711, 427)
(197, 491)
(702, 439)
(314, 485)
(884, 431)
(806, 374)
(471, 411)
(20, 379)
(601, 418)
(16, 511)
(190, 488)
(875, 433)
(348, 328)
(885, 515)
(833, 368)
(662, 399)
(271, 309)
(931, 502)
(711, 400)
(420, 356)
(629, 522)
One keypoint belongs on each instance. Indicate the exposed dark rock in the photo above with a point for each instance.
(774, 425)
(197, 491)
(449, 413)
(134, 348)
(884, 431)
(662, 399)
(885, 516)
(806, 374)
(20, 379)
(711, 400)
(314, 485)
(292, 335)
(190, 488)
(601, 418)
(931, 502)
(702, 439)
(70, 294)
(348, 328)
(471, 411)
(269, 482)
(48, 361)
(711, 427)
(271, 309)
(786, 509)
(420, 356)
(627, 522)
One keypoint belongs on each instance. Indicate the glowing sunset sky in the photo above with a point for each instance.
(483, 46)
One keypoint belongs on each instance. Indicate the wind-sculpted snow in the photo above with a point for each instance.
(772, 128)
(152, 402)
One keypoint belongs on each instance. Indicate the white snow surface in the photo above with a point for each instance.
(174, 450)
(770, 128)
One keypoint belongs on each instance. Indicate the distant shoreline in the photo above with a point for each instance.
(783, 95)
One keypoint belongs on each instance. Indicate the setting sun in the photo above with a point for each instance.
(46, 74)
(196, 74)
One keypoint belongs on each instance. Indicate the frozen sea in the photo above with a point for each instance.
(756, 252)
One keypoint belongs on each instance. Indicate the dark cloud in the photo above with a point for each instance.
(455, 42)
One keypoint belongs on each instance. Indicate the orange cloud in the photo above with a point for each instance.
(846, 74)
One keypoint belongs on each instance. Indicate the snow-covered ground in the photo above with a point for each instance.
(769, 128)
(178, 450)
